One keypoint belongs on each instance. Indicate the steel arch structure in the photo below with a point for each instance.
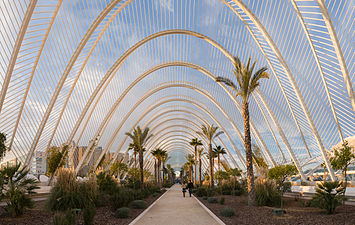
(61, 73)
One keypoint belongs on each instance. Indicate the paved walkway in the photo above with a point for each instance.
(173, 209)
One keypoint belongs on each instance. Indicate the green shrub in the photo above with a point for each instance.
(122, 197)
(15, 187)
(139, 204)
(151, 187)
(122, 212)
(227, 212)
(89, 214)
(329, 195)
(71, 194)
(267, 194)
(64, 219)
(106, 183)
(221, 201)
(205, 191)
(212, 200)
(204, 197)
(155, 194)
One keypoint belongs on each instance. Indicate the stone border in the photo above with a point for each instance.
(147, 209)
(210, 212)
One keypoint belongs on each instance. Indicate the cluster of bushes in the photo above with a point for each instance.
(267, 194)
(70, 197)
(229, 188)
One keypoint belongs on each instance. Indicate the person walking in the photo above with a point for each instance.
(190, 186)
(183, 189)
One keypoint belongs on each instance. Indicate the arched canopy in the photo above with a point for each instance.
(70, 79)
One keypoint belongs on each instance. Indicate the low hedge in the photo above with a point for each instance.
(212, 200)
(122, 212)
(139, 204)
(227, 212)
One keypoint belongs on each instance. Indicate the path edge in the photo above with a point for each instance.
(210, 212)
(147, 209)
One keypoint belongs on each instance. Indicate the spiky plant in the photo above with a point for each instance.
(16, 188)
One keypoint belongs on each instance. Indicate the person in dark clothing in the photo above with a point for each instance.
(190, 186)
(184, 189)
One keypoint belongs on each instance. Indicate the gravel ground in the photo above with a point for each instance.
(296, 214)
(38, 216)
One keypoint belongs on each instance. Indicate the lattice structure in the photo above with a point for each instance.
(85, 72)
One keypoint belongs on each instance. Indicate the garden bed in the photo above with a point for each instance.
(39, 216)
(296, 213)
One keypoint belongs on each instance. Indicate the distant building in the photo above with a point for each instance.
(40, 163)
(95, 156)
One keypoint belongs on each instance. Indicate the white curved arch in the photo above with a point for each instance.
(34, 67)
(155, 145)
(288, 72)
(108, 146)
(338, 51)
(192, 112)
(14, 54)
(299, 15)
(114, 107)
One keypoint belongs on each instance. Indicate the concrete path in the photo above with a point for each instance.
(173, 209)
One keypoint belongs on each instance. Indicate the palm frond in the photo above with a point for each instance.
(218, 133)
(227, 82)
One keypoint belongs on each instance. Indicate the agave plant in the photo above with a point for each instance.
(16, 187)
(329, 195)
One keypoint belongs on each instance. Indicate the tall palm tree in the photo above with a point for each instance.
(158, 154)
(200, 154)
(164, 158)
(247, 83)
(190, 163)
(211, 132)
(219, 150)
(195, 142)
(139, 138)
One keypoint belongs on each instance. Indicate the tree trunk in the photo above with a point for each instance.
(199, 170)
(159, 165)
(135, 160)
(155, 171)
(345, 184)
(195, 164)
(211, 165)
(219, 162)
(191, 173)
(249, 155)
(141, 167)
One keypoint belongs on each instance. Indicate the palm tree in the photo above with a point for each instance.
(200, 154)
(164, 158)
(219, 150)
(158, 154)
(195, 142)
(247, 83)
(211, 132)
(190, 163)
(139, 138)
